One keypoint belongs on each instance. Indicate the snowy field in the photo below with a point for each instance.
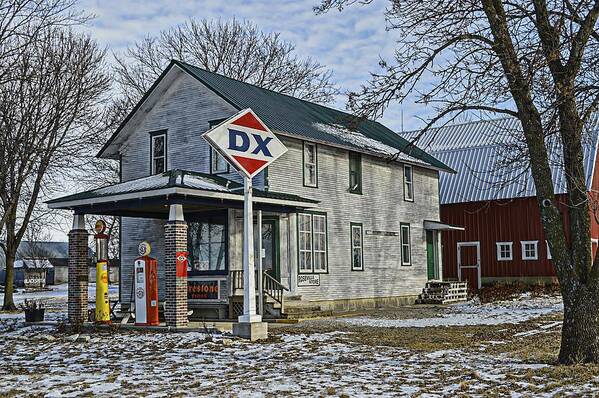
(344, 357)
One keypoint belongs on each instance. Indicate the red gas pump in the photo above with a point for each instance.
(146, 287)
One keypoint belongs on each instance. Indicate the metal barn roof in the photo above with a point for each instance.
(477, 151)
(286, 114)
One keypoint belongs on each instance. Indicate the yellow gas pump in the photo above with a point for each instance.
(102, 302)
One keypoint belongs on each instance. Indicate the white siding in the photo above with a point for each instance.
(381, 207)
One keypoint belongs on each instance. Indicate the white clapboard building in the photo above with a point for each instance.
(350, 213)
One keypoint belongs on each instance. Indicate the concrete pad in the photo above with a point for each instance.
(251, 331)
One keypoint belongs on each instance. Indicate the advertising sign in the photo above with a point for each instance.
(245, 142)
(202, 290)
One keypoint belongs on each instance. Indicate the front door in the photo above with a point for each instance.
(430, 256)
(270, 247)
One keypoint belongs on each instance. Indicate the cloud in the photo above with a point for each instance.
(350, 43)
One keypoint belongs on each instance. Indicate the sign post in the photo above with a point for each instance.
(250, 146)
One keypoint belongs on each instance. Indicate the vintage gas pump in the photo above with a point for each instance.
(102, 302)
(146, 287)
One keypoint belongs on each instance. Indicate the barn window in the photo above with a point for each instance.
(355, 172)
(357, 247)
(310, 165)
(530, 249)
(218, 164)
(158, 152)
(312, 242)
(504, 251)
(408, 183)
(549, 256)
(406, 249)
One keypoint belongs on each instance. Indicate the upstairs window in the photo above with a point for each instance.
(406, 246)
(530, 249)
(158, 152)
(355, 172)
(504, 251)
(310, 165)
(357, 251)
(408, 183)
(218, 164)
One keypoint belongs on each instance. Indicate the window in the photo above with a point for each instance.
(218, 164)
(529, 250)
(549, 257)
(406, 250)
(158, 153)
(207, 247)
(357, 251)
(310, 165)
(408, 183)
(504, 251)
(312, 242)
(355, 172)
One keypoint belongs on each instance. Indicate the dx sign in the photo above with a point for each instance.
(243, 142)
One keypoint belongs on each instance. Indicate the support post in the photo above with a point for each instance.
(78, 272)
(260, 270)
(249, 285)
(175, 240)
(250, 324)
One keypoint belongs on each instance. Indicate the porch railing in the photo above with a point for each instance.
(272, 287)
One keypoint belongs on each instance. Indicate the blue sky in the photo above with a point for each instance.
(350, 43)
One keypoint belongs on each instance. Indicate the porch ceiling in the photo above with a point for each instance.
(150, 197)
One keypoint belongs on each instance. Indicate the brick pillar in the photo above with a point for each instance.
(175, 240)
(78, 271)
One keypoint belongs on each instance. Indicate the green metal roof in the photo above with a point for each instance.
(304, 119)
(177, 179)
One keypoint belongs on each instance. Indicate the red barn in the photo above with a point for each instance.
(493, 197)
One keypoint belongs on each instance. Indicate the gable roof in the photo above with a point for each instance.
(476, 151)
(299, 118)
(48, 250)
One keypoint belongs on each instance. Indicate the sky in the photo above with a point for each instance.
(350, 43)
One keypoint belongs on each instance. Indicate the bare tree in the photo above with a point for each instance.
(236, 49)
(47, 111)
(535, 61)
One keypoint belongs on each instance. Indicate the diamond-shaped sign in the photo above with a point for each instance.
(245, 142)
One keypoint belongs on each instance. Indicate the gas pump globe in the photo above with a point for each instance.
(102, 302)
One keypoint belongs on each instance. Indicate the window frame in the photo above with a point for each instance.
(313, 144)
(406, 183)
(358, 156)
(499, 254)
(402, 244)
(353, 225)
(212, 170)
(548, 250)
(523, 244)
(213, 220)
(153, 136)
(312, 234)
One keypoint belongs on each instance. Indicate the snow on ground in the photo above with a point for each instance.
(46, 361)
(472, 313)
(195, 364)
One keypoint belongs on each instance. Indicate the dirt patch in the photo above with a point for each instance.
(502, 291)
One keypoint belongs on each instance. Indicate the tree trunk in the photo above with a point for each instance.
(580, 330)
(9, 278)
(11, 254)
